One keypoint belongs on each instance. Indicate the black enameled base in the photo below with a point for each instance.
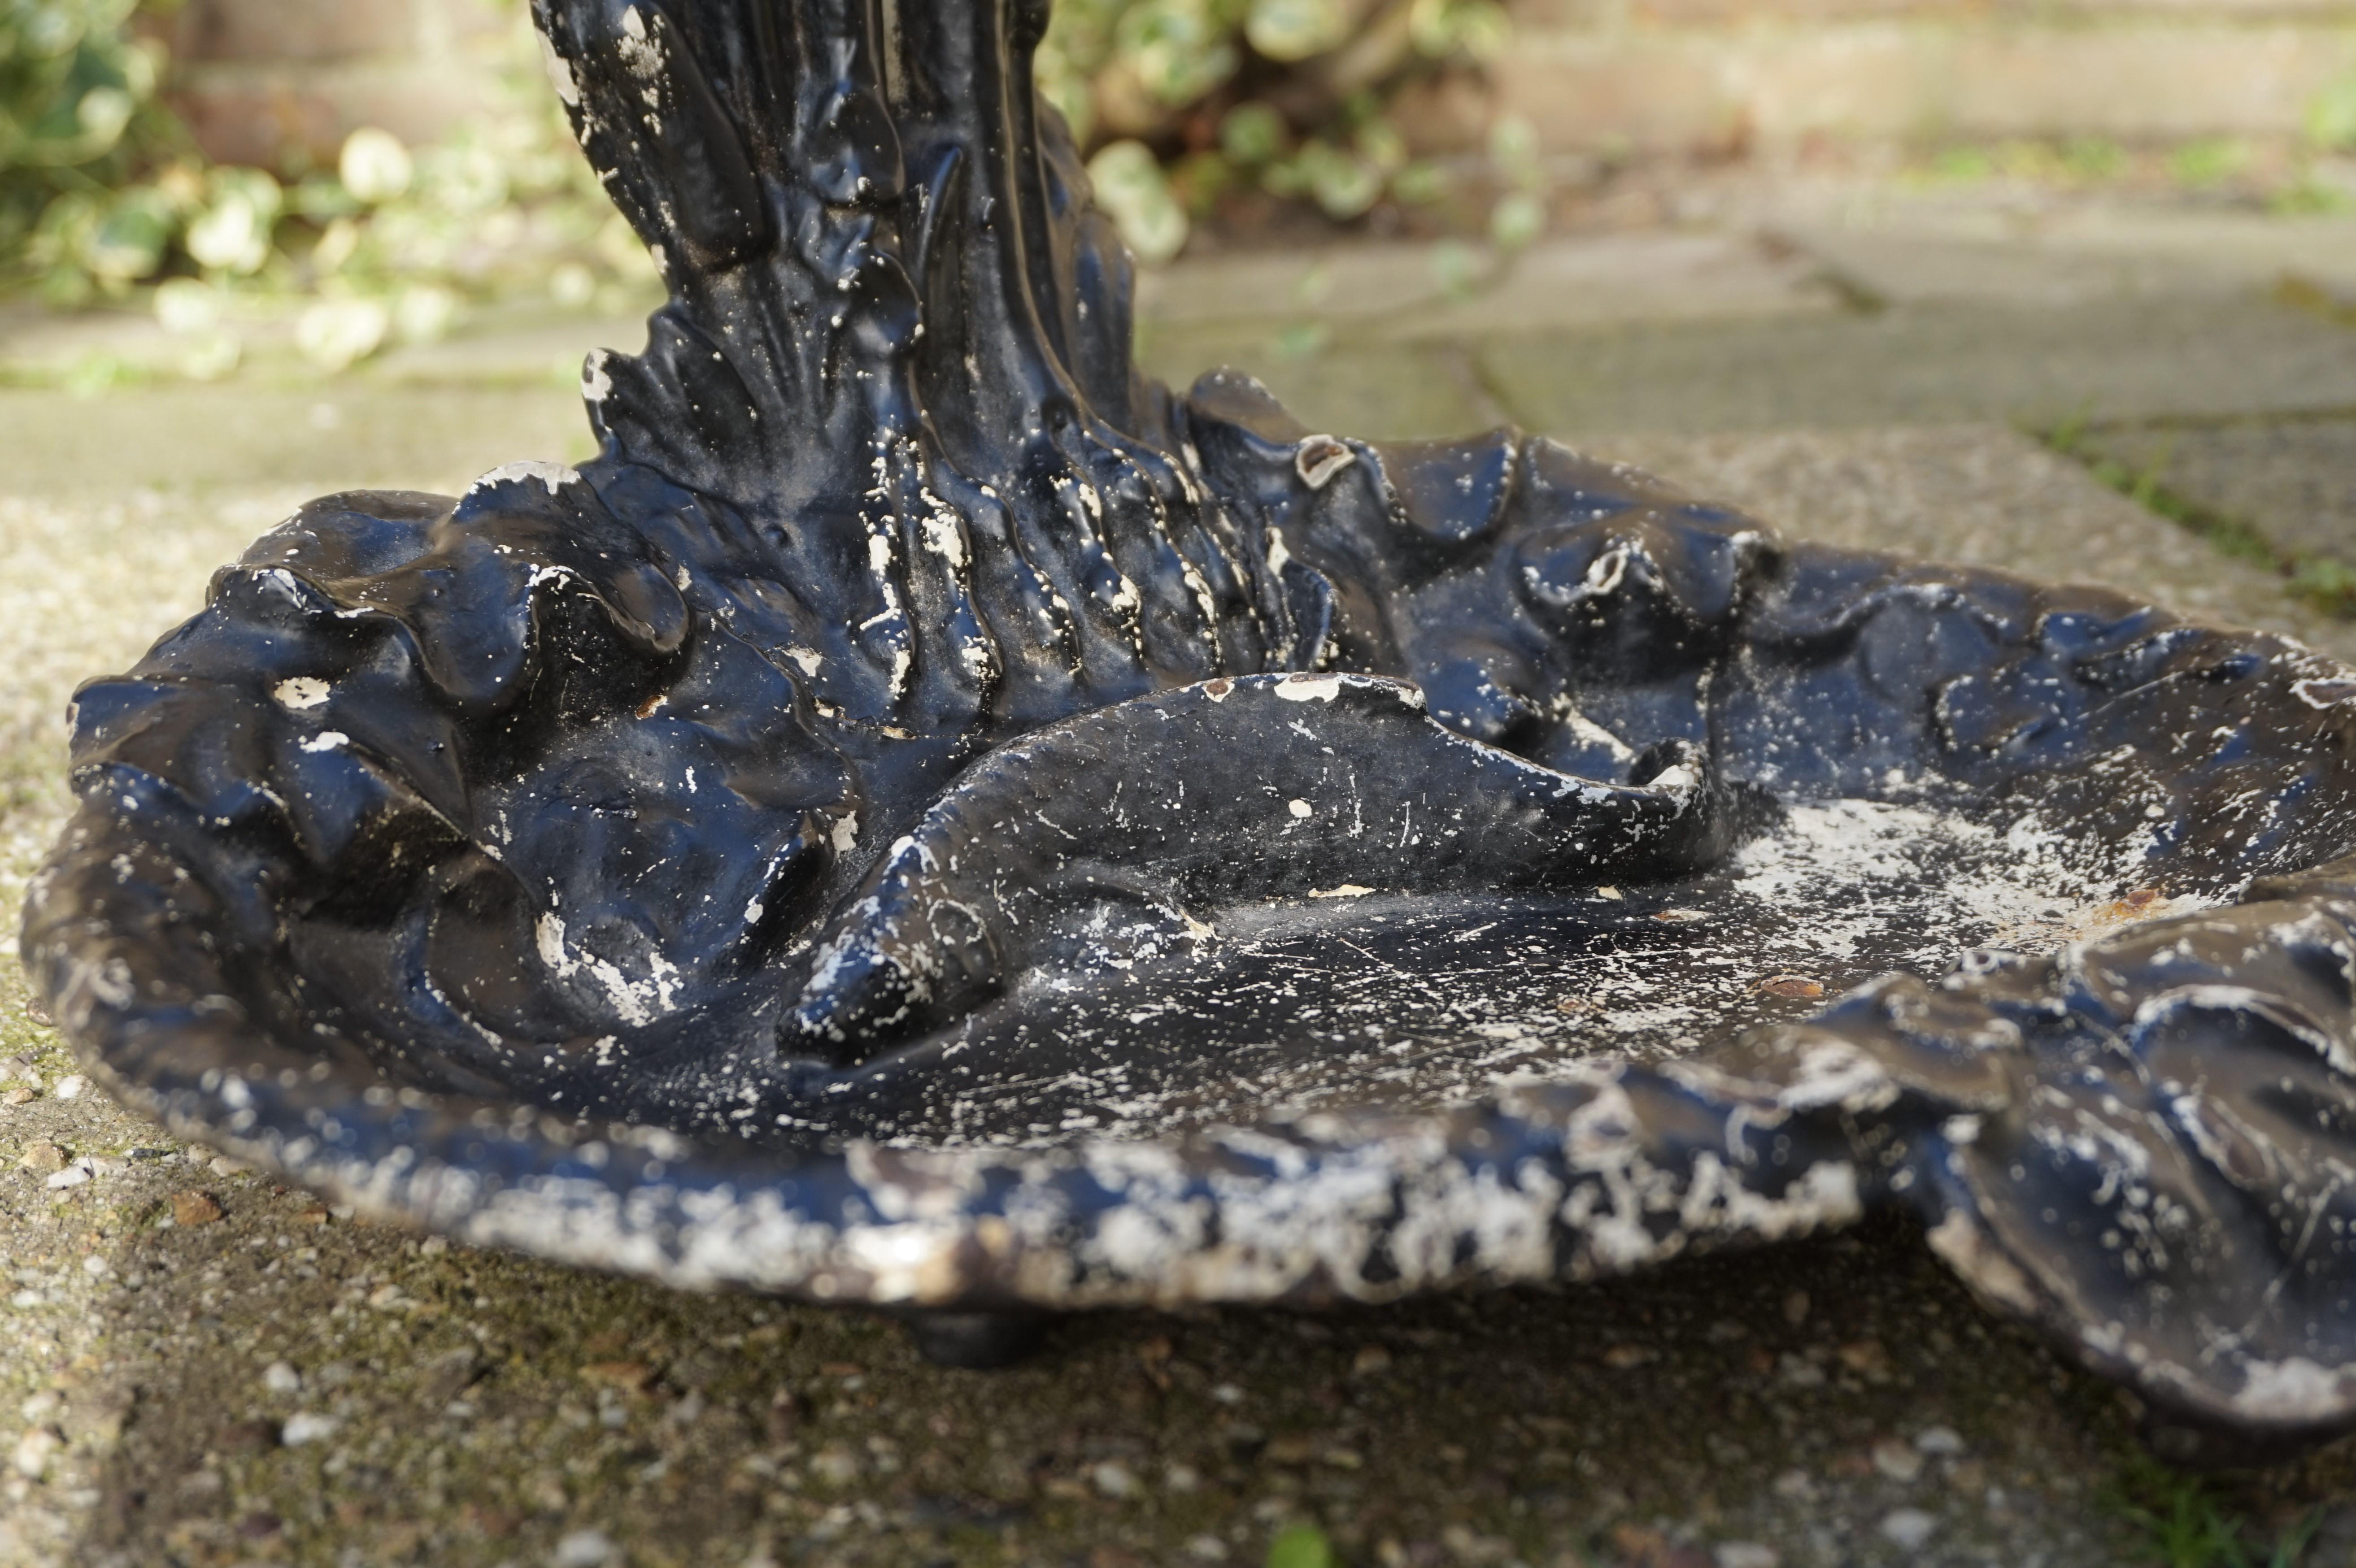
(929, 819)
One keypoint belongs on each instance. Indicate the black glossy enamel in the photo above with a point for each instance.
(929, 775)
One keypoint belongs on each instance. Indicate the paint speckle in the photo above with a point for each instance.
(301, 692)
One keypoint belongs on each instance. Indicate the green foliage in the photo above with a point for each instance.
(2331, 118)
(388, 243)
(1291, 97)
(2209, 161)
(2187, 1521)
(1181, 102)
(1300, 1546)
(77, 116)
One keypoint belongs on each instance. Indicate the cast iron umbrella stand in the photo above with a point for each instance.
(929, 818)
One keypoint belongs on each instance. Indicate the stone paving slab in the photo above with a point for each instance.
(1987, 495)
(1422, 293)
(520, 343)
(324, 437)
(1925, 249)
(1936, 364)
(1379, 392)
(2292, 481)
(285, 1385)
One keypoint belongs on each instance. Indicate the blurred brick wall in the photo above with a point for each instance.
(262, 81)
(1703, 74)
(259, 78)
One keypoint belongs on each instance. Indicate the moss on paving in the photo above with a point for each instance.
(2322, 581)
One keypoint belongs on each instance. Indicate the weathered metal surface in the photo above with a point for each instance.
(929, 818)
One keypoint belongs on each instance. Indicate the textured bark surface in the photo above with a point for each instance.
(927, 817)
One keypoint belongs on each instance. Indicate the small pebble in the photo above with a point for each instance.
(41, 1157)
(1908, 1529)
(35, 1449)
(16, 1097)
(1369, 1360)
(280, 1378)
(194, 1208)
(70, 1088)
(835, 1465)
(1896, 1460)
(1745, 1554)
(224, 1165)
(1114, 1480)
(584, 1549)
(73, 1175)
(1866, 1357)
(41, 1406)
(307, 1427)
(630, 1377)
(1939, 1441)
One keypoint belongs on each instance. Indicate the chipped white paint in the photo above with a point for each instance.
(1567, 714)
(636, 1002)
(1319, 458)
(300, 692)
(2326, 693)
(555, 477)
(1308, 688)
(560, 73)
(641, 52)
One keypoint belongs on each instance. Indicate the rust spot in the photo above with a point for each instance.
(2132, 906)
